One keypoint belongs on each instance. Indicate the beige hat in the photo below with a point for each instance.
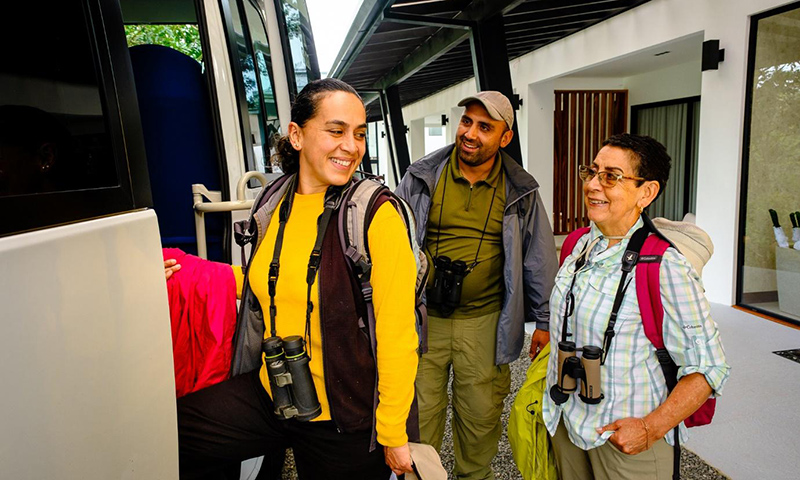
(426, 462)
(497, 104)
(692, 241)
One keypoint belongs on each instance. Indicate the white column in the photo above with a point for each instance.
(416, 139)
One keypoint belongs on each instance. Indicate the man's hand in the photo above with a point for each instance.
(631, 435)
(539, 339)
(398, 459)
(171, 266)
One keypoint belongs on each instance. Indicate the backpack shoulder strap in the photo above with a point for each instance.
(648, 293)
(570, 242)
(648, 288)
(355, 214)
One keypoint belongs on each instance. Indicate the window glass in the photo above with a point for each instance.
(184, 38)
(53, 137)
(301, 42)
(769, 274)
(258, 35)
(262, 124)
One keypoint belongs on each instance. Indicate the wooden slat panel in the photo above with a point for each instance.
(558, 144)
(582, 121)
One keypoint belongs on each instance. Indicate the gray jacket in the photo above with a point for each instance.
(528, 244)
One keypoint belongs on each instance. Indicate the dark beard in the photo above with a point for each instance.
(477, 159)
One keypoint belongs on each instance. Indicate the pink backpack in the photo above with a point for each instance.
(648, 292)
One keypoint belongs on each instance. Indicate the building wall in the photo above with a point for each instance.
(722, 109)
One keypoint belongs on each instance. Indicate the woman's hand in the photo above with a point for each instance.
(398, 459)
(170, 266)
(631, 435)
(634, 435)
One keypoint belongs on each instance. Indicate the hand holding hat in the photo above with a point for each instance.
(426, 463)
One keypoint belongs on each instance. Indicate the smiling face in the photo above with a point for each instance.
(479, 136)
(615, 210)
(331, 143)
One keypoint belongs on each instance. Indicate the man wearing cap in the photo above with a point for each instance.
(474, 204)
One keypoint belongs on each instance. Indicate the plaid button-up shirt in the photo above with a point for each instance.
(631, 378)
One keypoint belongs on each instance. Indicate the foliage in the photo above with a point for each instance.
(183, 38)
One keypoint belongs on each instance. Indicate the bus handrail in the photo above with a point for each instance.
(216, 204)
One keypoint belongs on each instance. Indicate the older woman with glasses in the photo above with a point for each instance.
(622, 433)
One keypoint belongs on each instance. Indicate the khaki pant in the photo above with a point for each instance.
(466, 347)
(606, 462)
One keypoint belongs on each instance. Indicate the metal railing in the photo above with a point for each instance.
(215, 203)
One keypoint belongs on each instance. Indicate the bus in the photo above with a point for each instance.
(119, 121)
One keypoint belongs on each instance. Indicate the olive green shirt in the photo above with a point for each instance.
(466, 208)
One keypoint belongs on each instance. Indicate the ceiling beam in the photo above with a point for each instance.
(425, 20)
(444, 40)
(430, 8)
(368, 18)
(545, 5)
(577, 14)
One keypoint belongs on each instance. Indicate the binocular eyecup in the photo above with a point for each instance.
(293, 392)
(572, 369)
(448, 279)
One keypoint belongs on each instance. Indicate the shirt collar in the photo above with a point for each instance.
(491, 180)
(601, 250)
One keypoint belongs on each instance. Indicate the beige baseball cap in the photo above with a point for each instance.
(426, 462)
(497, 104)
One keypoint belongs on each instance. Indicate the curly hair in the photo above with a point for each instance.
(304, 108)
(651, 160)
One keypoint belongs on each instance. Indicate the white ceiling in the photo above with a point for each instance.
(682, 50)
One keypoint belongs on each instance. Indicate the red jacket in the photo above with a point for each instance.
(202, 308)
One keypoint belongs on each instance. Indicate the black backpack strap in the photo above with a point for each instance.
(629, 259)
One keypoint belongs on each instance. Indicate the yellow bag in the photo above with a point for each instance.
(526, 431)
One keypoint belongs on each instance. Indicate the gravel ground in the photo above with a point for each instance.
(692, 466)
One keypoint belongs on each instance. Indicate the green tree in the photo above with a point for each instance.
(183, 38)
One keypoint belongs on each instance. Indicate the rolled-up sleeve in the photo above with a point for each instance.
(690, 334)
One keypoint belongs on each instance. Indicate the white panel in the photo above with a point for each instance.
(86, 353)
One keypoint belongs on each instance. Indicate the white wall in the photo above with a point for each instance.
(680, 81)
(721, 116)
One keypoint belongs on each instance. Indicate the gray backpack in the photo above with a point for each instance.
(357, 205)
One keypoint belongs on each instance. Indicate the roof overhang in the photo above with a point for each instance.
(423, 46)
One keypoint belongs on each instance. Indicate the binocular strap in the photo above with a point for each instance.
(331, 202)
(485, 223)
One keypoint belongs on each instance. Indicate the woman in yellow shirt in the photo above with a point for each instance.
(236, 420)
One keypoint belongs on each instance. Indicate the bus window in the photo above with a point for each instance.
(62, 153)
(297, 26)
(53, 137)
(258, 35)
(260, 117)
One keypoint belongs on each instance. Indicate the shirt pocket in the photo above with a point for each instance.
(605, 288)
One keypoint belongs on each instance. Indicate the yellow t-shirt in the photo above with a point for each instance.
(393, 280)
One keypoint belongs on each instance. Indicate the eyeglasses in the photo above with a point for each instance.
(607, 179)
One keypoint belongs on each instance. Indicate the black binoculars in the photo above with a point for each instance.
(445, 293)
(293, 391)
(571, 368)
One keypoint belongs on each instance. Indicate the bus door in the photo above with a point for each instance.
(85, 354)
